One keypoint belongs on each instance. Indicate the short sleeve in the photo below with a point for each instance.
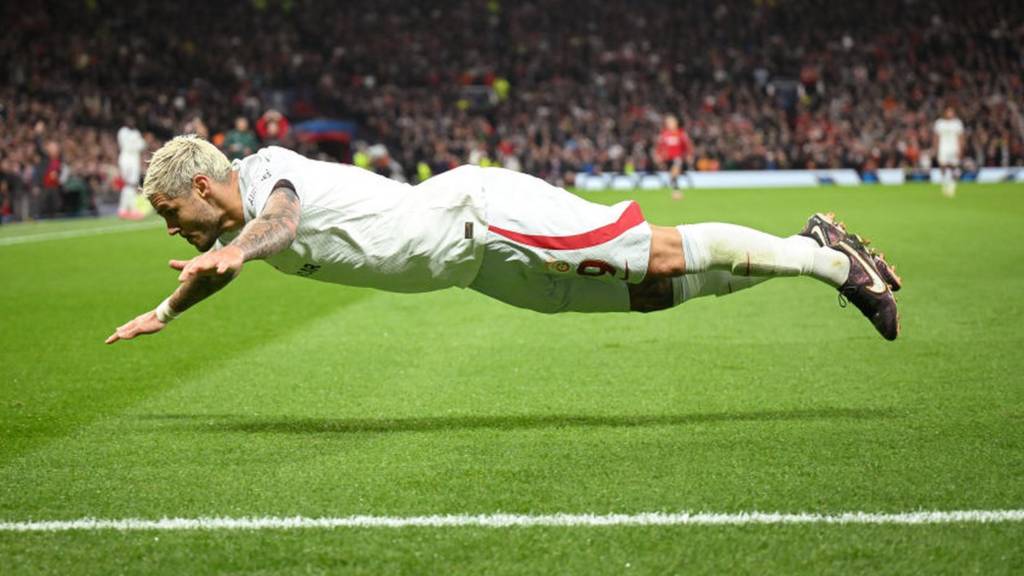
(275, 167)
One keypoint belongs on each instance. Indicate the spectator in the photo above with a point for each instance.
(569, 87)
(49, 174)
(241, 141)
(273, 128)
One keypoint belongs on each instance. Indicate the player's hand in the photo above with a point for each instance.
(143, 324)
(226, 261)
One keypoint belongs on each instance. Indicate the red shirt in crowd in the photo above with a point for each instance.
(673, 144)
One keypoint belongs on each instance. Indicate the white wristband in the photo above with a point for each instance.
(164, 312)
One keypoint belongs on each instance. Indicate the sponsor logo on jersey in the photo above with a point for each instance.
(308, 270)
(250, 198)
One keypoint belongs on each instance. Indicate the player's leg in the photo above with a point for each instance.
(742, 251)
(130, 177)
(126, 203)
(551, 238)
(514, 274)
(655, 294)
(725, 254)
(713, 259)
(572, 236)
(948, 162)
(674, 172)
(686, 172)
(577, 248)
(663, 169)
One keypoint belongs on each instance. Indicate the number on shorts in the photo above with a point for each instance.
(595, 268)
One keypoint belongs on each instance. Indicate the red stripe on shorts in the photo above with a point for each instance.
(631, 216)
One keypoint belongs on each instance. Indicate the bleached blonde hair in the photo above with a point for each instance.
(173, 166)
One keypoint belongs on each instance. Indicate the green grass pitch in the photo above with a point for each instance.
(282, 397)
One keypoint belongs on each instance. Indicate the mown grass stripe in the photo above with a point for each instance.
(517, 520)
(78, 233)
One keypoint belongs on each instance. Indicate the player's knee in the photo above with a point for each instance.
(651, 295)
(666, 259)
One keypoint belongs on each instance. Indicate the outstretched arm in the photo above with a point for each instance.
(185, 296)
(273, 231)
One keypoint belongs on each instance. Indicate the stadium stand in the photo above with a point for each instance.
(549, 88)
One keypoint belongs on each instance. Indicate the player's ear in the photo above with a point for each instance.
(201, 185)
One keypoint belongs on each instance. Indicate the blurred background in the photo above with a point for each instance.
(556, 89)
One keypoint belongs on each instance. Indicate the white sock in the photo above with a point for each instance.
(747, 252)
(711, 283)
(948, 187)
(127, 200)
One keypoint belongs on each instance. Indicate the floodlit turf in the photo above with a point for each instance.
(283, 397)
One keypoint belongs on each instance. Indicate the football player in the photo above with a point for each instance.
(505, 234)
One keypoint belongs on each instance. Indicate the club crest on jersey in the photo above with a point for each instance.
(559, 266)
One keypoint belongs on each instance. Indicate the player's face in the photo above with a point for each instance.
(671, 123)
(189, 216)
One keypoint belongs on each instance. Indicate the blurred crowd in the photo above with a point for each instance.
(551, 88)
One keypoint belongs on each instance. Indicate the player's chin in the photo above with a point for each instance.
(202, 244)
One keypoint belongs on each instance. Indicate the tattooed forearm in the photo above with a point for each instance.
(197, 289)
(275, 228)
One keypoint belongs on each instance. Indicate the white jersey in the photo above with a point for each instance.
(131, 143)
(361, 229)
(948, 131)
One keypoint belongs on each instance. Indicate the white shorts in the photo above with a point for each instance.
(129, 170)
(948, 157)
(551, 251)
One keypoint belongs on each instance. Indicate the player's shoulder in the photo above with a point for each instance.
(271, 159)
(278, 154)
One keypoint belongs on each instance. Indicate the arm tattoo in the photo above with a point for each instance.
(275, 228)
(195, 290)
(272, 232)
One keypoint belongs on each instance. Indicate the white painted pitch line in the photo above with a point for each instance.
(44, 236)
(518, 520)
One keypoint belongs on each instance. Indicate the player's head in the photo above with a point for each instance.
(186, 182)
(949, 112)
(671, 122)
